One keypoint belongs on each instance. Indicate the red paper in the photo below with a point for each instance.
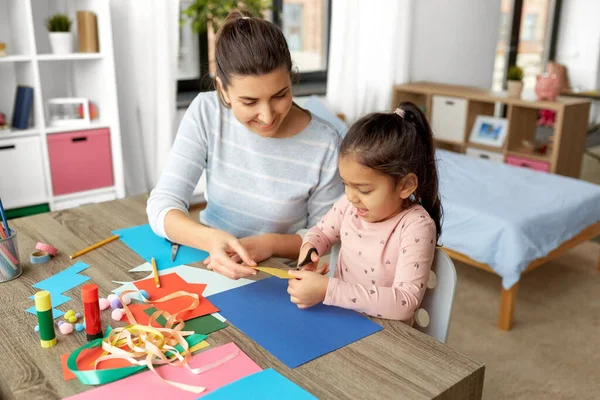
(86, 359)
(169, 284)
(140, 316)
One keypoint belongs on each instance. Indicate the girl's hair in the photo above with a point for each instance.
(246, 45)
(396, 144)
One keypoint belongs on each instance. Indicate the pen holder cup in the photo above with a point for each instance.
(10, 267)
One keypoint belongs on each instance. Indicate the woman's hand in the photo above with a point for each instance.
(313, 265)
(258, 247)
(222, 246)
(308, 289)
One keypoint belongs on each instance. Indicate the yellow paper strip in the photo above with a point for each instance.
(199, 346)
(280, 273)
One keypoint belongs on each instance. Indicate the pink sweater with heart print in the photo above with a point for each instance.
(383, 267)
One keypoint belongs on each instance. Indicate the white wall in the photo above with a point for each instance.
(578, 46)
(454, 41)
(578, 43)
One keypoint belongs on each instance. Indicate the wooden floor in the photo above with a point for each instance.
(552, 350)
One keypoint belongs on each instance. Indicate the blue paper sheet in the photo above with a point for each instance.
(263, 311)
(264, 385)
(59, 283)
(147, 244)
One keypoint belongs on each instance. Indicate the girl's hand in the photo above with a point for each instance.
(309, 288)
(314, 257)
(259, 248)
(221, 247)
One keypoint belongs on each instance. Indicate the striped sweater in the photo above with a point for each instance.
(254, 185)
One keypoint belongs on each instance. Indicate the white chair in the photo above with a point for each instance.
(433, 317)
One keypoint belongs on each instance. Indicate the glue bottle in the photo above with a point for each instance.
(91, 312)
(43, 307)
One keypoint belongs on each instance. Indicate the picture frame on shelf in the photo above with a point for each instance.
(488, 130)
(69, 111)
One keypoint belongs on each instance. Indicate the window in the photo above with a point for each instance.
(305, 24)
(529, 27)
(527, 38)
(188, 65)
(292, 15)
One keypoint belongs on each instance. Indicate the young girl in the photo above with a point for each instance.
(271, 166)
(388, 222)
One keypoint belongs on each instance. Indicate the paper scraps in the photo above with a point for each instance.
(59, 283)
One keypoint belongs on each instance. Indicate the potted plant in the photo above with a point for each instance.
(514, 78)
(207, 16)
(59, 31)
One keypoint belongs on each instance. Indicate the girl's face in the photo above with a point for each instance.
(375, 196)
(260, 102)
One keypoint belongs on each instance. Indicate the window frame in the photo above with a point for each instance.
(305, 83)
(515, 33)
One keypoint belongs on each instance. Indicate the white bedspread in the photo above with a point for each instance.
(507, 216)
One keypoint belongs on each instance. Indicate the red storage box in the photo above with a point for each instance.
(80, 160)
(527, 163)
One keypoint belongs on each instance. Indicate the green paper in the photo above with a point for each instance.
(192, 340)
(102, 376)
(204, 325)
(99, 376)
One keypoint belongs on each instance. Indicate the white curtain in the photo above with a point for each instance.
(369, 52)
(146, 42)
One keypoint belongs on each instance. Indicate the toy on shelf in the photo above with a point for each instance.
(536, 146)
(93, 110)
(547, 87)
(3, 49)
(71, 111)
(3, 124)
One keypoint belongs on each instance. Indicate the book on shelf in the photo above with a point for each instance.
(22, 107)
(87, 32)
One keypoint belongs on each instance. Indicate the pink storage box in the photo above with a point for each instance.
(80, 160)
(527, 163)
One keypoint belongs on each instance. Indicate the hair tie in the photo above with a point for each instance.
(245, 17)
(400, 112)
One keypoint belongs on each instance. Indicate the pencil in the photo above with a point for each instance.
(6, 228)
(3, 216)
(94, 246)
(155, 272)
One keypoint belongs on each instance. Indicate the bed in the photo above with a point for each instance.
(509, 220)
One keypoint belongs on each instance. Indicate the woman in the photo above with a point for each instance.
(271, 166)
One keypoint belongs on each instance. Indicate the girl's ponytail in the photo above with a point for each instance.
(397, 144)
(427, 191)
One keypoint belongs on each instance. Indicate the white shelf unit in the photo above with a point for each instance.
(30, 62)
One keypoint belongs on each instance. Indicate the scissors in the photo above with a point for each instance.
(307, 259)
(174, 249)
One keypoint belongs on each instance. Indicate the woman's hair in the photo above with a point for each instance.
(396, 144)
(246, 45)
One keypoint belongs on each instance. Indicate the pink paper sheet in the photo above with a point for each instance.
(147, 385)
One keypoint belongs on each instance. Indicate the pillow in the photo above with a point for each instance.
(320, 109)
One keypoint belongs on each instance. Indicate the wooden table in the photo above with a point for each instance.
(397, 362)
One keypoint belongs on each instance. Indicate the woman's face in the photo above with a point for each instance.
(260, 102)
